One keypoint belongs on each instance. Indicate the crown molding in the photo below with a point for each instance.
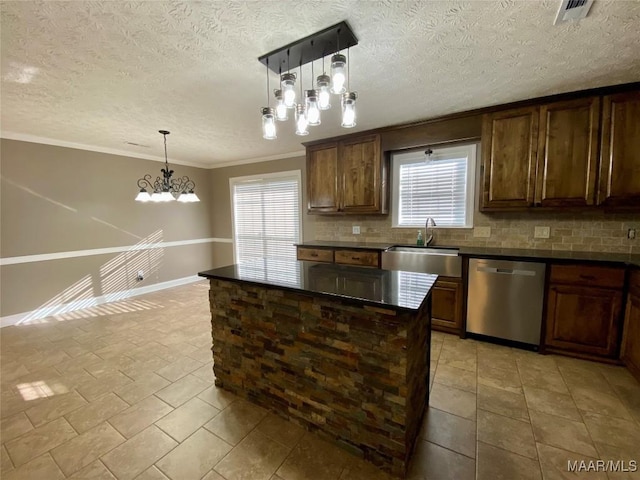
(280, 156)
(93, 148)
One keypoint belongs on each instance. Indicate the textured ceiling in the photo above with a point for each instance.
(106, 73)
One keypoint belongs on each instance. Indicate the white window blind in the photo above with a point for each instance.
(441, 187)
(266, 224)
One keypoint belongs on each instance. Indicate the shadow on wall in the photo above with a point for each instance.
(116, 279)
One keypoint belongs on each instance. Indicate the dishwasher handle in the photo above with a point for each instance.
(507, 271)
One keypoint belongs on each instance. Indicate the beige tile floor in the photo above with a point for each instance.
(126, 391)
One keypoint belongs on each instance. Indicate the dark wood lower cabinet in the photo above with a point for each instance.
(631, 339)
(446, 307)
(583, 320)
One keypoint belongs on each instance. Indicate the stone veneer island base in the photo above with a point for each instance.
(355, 370)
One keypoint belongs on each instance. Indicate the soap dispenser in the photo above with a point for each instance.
(420, 240)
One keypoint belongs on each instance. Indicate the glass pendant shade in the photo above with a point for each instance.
(287, 84)
(268, 123)
(192, 197)
(338, 73)
(323, 86)
(188, 197)
(155, 197)
(166, 197)
(143, 196)
(349, 109)
(302, 125)
(311, 105)
(281, 108)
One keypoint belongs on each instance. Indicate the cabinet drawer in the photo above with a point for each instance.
(358, 257)
(634, 283)
(315, 254)
(589, 275)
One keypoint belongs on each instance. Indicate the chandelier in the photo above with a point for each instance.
(306, 107)
(166, 189)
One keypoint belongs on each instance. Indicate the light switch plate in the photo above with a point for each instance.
(541, 232)
(355, 229)
(482, 232)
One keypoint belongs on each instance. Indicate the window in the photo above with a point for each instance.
(266, 223)
(440, 187)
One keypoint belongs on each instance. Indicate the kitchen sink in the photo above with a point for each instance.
(439, 260)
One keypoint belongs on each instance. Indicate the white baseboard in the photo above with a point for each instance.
(26, 317)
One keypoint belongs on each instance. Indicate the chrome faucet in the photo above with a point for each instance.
(430, 223)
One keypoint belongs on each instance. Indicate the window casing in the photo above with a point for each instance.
(441, 187)
(266, 224)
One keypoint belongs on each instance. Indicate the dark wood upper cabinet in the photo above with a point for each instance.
(509, 146)
(360, 164)
(578, 153)
(322, 178)
(620, 151)
(347, 177)
(567, 153)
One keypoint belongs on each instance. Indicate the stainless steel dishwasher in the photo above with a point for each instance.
(505, 300)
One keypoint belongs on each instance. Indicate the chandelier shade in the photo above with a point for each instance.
(165, 188)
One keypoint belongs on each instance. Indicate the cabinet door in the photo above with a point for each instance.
(360, 162)
(631, 342)
(446, 306)
(583, 319)
(620, 151)
(509, 145)
(322, 178)
(567, 153)
(630, 353)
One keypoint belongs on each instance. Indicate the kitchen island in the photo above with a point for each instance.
(341, 350)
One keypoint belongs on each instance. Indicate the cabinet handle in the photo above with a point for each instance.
(587, 277)
(314, 254)
(355, 258)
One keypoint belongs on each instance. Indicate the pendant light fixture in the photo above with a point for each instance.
(302, 123)
(311, 102)
(268, 116)
(349, 109)
(166, 189)
(323, 85)
(281, 109)
(338, 77)
(308, 106)
(288, 86)
(349, 103)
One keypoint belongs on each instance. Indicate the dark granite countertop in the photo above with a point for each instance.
(352, 245)
(493, 252)
(372, 286)
(523, 253)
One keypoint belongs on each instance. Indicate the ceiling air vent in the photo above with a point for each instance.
(572, 10)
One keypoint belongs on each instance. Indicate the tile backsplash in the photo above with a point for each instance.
(594, 231)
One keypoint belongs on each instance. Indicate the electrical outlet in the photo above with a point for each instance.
(631, 233)
(355, 229)
(482, 232)
(140, 276)
(541, 232)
